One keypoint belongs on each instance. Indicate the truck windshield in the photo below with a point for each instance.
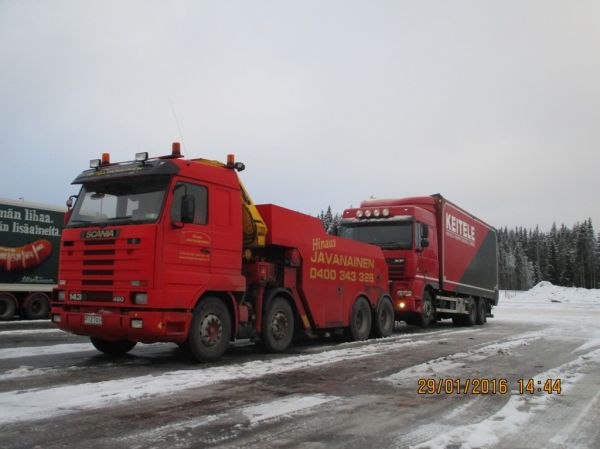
(396, 235)
(120, 201)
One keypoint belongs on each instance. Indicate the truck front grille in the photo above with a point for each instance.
(396, 269)
(107, 263)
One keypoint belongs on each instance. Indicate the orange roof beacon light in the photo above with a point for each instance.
(105, 158)
(230, 161)
(176, 150)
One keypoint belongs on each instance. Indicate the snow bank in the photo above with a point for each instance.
(545, 292)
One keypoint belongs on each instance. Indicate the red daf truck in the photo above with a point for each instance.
(442, 261)
(174, 250)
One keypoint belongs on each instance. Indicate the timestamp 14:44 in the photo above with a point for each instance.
(532, 386)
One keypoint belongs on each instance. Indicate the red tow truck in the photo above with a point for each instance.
(174, 250)
(442, 261)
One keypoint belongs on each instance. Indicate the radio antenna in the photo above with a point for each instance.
(178, 126)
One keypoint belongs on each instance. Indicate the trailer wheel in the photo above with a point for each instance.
(8, 306)
(471, 318)
(210, 330)
(114, 348)
(427, 315)
(481, 312)
(383, 319)
(278, 326)
(37, 306)
(360, 322)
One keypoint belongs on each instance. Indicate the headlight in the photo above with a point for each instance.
(60, 295)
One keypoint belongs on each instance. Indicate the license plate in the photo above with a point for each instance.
(94, 320)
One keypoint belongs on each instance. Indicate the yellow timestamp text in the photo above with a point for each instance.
(486, 386)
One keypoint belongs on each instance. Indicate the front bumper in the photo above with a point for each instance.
(116, 324)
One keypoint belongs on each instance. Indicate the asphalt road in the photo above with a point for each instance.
(56, 391)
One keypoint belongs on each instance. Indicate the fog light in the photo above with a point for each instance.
(376, 213)
(385, 212)
(140, 298)
(95, 163)
(402, 305)
(56, 318)
(60, 295)
(368, 213)
(137, 323)
(359, 213)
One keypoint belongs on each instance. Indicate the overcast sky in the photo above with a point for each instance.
(494, 104)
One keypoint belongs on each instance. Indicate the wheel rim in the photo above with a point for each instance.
(360, 320)
(384, 318)
(36, 307)
(279, 326)
(427, 309)
(211, 329)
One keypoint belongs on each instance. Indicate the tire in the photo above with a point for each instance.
(8, 306)
(210, 330)
(427, 316)
(278, 326)
(37, 307)
(383, 318)
(360, 320)
(481, 312)
(471, 318)
(114, 348)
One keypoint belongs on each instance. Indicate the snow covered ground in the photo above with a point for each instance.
(320, 395)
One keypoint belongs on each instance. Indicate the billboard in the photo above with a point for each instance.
(29, 243)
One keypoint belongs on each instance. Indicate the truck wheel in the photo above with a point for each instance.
(427, 315)
(37, 307)
(278, 326)
(471, 318)
(360, 322)
(383, 319)
(481, 312)
(8, 306)
(210, 330)
(114, 348)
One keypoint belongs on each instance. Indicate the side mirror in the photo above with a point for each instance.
(424, 243)
(188, 207)
(424, 231)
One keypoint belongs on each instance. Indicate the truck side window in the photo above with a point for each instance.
(200, 194)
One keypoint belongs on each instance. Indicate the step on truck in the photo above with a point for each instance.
(442, 261)
(29, 246)
(174, 250)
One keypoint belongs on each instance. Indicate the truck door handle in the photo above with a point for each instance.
(205, 250)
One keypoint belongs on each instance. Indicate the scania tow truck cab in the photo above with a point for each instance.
(442, 261)
(169, 249)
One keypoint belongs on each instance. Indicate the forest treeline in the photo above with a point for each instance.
(564, 256)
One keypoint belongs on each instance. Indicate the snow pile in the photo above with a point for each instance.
(545, 292)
